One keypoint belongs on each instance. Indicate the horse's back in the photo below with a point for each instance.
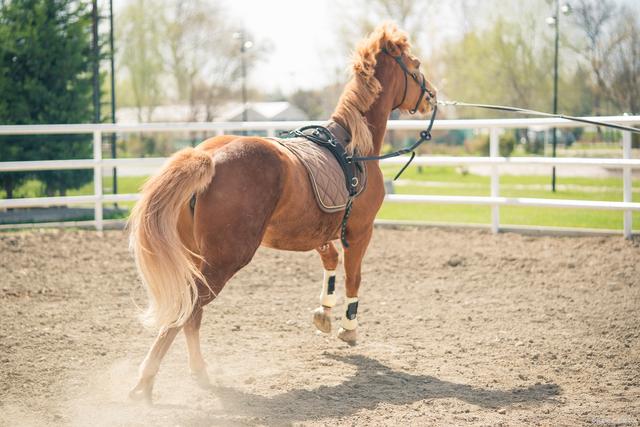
(264, 183)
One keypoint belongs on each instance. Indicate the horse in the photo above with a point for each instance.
(202, 217)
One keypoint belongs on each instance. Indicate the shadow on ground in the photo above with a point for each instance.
(372, 384)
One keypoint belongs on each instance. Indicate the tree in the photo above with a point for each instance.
(610, 49)
(140, 35)
(311, 102)
(500, 65)
(623, 67)
(358, 18)
(181, 52)
(594, 20)
(45, 78)
(201, 55)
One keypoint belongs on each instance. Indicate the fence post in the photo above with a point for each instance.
(494, 152)
(271, 133)
(97, 178)
(626, 184)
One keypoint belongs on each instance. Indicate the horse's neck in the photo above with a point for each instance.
(377, 117)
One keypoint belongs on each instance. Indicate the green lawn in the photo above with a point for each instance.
(448, 181)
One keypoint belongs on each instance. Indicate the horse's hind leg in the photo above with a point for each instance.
(237, 253)
(197, 365)
(322, 315)
(151, 364)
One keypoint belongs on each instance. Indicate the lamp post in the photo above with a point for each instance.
(555, 22)
(113, 97)
(244, 46)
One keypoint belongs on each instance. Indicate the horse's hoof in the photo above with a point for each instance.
(140, 395)
(142, 391)
(322, 319)
(348, 336)
(202, 379)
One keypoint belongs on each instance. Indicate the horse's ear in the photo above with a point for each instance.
(392, 48)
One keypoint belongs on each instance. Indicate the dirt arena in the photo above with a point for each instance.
(456, 327)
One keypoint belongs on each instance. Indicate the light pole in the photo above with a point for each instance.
(244, 46)
(113, 97)
(555, 21)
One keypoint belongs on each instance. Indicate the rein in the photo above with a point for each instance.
(539, 113)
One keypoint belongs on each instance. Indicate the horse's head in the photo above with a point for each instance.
(386, 55)
(416, 93)
(383, 70)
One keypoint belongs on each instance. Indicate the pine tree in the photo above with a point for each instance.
(45, 77)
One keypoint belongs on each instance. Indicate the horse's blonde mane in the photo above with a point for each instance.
(363, 88)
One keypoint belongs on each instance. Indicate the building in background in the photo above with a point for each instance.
(232, 112)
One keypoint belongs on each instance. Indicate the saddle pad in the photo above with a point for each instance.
(325, 174)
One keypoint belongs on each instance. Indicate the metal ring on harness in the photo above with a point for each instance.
(354, 181)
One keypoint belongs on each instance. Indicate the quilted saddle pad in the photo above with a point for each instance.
(325, 174)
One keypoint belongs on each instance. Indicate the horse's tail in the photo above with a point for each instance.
(168, 268)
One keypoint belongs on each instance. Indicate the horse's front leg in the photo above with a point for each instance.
(353, 256)
(322, 314)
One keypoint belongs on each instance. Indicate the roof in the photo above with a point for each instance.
(232, 112)
(263, 111)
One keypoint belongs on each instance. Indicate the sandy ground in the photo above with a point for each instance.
(456, 328)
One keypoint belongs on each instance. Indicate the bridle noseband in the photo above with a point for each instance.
(421, 83)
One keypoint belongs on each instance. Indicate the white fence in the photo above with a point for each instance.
(97, 163)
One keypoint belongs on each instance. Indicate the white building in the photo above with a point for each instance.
(231, 112)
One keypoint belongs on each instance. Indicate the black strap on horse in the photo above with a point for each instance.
(322, 136)
(425, 135)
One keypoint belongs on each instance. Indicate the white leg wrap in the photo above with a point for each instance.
(349, 320)
(328, 295)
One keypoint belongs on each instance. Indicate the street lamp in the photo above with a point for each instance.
(555, 22)
(244, 46)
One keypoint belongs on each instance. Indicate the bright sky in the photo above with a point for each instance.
(300, 33)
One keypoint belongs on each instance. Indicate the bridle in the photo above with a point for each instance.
(421, 83)
(322, 136)
(425, 135)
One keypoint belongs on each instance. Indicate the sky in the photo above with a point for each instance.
(299, 33)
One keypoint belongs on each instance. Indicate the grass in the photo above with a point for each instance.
(448, 181)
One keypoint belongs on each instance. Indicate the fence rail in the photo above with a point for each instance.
(97, 163)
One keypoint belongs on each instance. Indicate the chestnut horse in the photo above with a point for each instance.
(204, 215)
